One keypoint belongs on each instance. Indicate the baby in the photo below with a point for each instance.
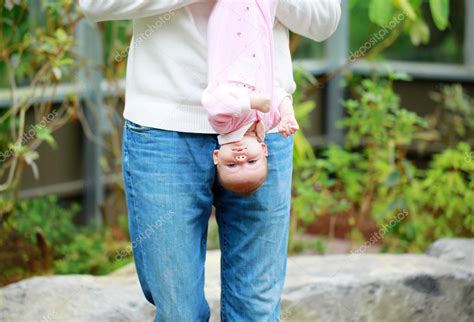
(241, 99)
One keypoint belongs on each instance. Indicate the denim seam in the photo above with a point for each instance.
(137, 127)
(135, 213)
(223, 284)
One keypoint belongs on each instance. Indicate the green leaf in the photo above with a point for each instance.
(415, 3)
(67, 61)
(407, 8)
(392, 178)
(419, 33)
(352, 3)
(399, 76)
(303, 109)
(408, 171)
(61, 35)
(380, 11)
(44, 134)
(440, 12)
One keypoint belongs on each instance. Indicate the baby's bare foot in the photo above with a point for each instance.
(262, 103)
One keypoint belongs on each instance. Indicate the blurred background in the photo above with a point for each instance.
(385, 158)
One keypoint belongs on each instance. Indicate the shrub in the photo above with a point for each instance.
(440, 202)
(372, 178)
(40, 236)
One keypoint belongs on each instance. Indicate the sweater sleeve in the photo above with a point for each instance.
(314, 19)
(102, 10)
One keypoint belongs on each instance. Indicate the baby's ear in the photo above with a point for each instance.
(215, 157)
(265, 150)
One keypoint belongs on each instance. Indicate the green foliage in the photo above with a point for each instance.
(448, 188)
(373, 179)
(46, 215)
(454, 115)
(317, 246)
(303, 149)
(38, 38)
(40, 236)
(421, 30)
(411, 30)
(85, 254)
(37, 54)
(376, 118)
(75, 249)
(303, 154)
(440, 203)
(380, 11)
(440, 12)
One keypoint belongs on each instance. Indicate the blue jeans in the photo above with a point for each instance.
(171, 186)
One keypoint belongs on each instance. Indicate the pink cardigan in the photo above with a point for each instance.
(240, 61)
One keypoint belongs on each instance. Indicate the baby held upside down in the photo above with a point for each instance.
(242, 98)
(241, 160)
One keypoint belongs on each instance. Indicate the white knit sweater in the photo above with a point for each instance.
(167, 71)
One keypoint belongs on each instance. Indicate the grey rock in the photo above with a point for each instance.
(377, 288)
(74, 298)
(116, 297)
(455, 250)
(362, 288)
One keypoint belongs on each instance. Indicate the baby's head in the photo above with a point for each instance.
(242, 165)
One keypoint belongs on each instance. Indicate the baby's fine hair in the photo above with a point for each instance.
(244, 188)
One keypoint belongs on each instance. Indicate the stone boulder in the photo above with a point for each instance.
(377, 288)
(74, 298)
(455, 250)
(332, 288)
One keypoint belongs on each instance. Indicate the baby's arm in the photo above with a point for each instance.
(288, 124)
(259, 102)
(234, 99)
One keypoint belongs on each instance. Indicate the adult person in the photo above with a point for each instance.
(169, 175)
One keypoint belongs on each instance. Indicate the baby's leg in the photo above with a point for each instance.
(260, 102)
(227, 99)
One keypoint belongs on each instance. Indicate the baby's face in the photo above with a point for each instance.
(243, 162)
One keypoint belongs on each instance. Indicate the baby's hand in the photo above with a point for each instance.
(288, 125)
(260, 103)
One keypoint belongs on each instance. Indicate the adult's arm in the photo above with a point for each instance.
(102, 10)
(314, 19)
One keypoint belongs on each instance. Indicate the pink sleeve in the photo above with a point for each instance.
(224, 104)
